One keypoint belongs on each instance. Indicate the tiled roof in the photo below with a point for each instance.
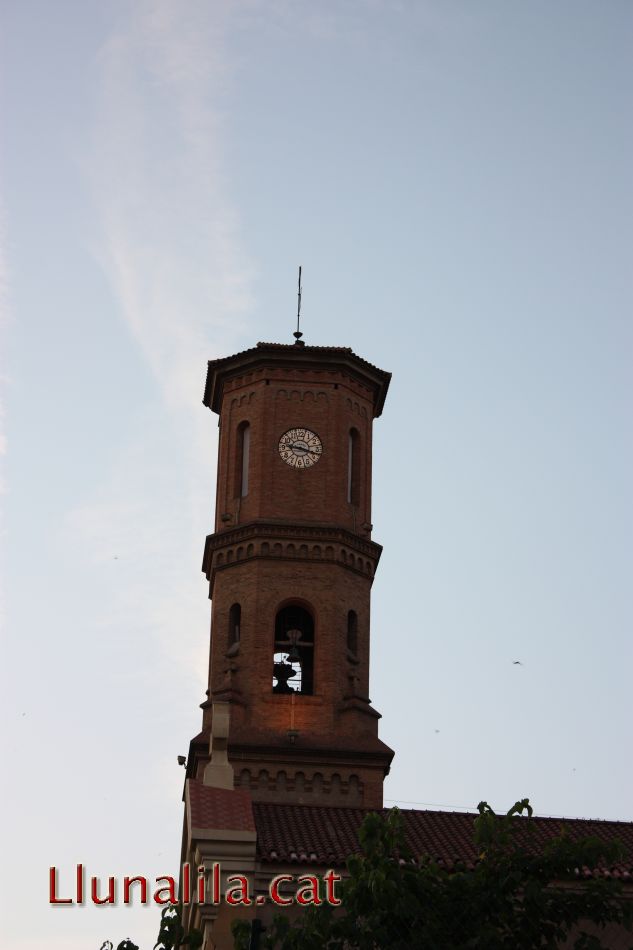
(219, 808)
(319, 835)
(311, 834)
(305, 346)
(307, 834)
(303, 355)
(308, 348)
(298, 351)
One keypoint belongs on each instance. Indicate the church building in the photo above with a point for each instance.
(289, 759)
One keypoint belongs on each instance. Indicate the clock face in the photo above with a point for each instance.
(300, 448)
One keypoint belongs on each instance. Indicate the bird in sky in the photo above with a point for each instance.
(517, 663)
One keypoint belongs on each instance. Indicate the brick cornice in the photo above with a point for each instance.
(241, 752)
(285, 541)
(281, 355)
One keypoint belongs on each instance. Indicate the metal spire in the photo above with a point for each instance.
(298, 334)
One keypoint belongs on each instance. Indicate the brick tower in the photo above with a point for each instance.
(290, 568)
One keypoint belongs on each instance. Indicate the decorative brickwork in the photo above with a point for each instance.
(313, 787)
(293, 535)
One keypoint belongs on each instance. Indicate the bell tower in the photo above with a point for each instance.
(290, 567)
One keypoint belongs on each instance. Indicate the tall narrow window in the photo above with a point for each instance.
(352, 632)
(243, 453)
(353, 468)
(293, 660)
(235, 618)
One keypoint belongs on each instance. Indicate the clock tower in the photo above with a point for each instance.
(290, 567)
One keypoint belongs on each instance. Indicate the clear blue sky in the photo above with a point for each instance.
(455, 178)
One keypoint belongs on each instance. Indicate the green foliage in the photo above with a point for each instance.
(516, 898)
(124, 945)
(171, 935)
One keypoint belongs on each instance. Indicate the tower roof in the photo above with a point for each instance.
(286, 354)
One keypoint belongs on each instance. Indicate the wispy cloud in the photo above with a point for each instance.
(168, 239)
(171, 244)
(4, 319)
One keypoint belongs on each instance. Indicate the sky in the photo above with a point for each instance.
(454, 178)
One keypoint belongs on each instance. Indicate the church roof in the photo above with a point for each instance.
(219, 808)
(325, 835)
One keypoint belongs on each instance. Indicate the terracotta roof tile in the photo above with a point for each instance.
(288, 831)
(310, 348)
(219, 808)
(305, 346)
(297, 832)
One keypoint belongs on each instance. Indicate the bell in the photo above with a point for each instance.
(293, 656)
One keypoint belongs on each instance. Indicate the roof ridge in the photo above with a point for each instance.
(431, 811)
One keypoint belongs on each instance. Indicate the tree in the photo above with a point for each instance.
(171, 935)
(518, 896)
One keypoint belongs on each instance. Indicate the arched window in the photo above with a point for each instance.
(353, 468)
(352, 632)
(242, 459)
(293, 660)
(235, 619)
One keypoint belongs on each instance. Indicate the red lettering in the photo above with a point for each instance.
(52, 890)
(94, 891)
(186, 883)
(309, 893)
(238, 893)
(127, 884)
(273, 889)
(331, 878)
(170, 887)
